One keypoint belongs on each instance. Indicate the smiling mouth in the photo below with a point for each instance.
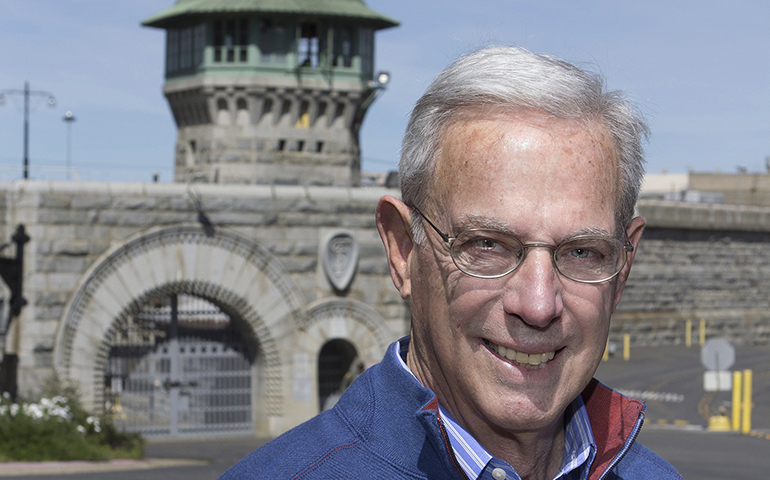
(527, 360)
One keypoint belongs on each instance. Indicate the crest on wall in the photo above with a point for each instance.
(340, 259)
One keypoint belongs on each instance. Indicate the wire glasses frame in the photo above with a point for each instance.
(486, 253)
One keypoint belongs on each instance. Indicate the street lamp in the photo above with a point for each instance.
(68, 119)
(26, 93)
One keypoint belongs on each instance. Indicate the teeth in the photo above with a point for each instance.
(526, 359)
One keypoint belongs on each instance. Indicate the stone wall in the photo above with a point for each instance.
(695, 262)
(699, 262)
(74, 225)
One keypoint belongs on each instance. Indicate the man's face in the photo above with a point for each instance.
(545, 180)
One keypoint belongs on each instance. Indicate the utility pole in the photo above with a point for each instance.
(27, 93)
(68, 119)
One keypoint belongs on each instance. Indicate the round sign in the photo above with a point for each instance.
(717, 355)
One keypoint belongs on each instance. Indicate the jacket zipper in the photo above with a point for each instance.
(626, 447)
(450, 449)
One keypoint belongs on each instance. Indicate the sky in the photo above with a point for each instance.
(698, 70)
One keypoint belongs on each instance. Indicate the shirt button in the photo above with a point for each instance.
(498, 474)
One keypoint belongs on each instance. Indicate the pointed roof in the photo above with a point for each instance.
(192, 10)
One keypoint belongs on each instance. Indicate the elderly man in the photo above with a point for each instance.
(513, 239)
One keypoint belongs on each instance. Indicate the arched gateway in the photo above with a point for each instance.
(120, 333)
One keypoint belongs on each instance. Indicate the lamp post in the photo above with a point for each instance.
(68, 119)
(27, 93)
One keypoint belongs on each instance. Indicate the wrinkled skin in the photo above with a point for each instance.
(545, 180)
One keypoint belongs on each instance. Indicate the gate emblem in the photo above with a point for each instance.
(340, 259)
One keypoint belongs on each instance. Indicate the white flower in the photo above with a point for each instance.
(34, 411)
(14, 409)
(81, 429)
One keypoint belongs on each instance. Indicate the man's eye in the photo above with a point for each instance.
(484, 244)
(581, 252)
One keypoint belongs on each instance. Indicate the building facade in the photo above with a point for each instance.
(243, 297)
(269, 91)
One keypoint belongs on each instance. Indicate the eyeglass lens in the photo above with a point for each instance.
(487, 253)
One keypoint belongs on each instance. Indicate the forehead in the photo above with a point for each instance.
(526, 161)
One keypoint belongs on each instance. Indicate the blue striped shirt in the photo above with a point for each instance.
(475, 460)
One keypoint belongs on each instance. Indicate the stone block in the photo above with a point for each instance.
(358, 221)
(55, 202)
(373, 267)
(170, 218)
(58, 281)
(180, 204)
(235, 218)
(68, 264)
(217, 204)
(141, 203)
(62, 217)
(91, 203)
(123, 218)
(91, 232)
(294, 219)
(299, 265)
(50, 299)
(43, 247)
(60, 232)
(72, 248)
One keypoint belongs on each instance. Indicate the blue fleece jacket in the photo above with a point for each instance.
(386, 426)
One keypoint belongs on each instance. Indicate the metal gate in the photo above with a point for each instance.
(179, 367)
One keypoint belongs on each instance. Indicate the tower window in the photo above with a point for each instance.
(243, 40)
(308, 47)
(343, 47)
(366, 50)
(231, 41)
(273, 42)
(184, 48)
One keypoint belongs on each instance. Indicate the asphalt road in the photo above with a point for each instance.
(671, 378)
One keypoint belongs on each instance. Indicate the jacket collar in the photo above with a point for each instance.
(390, 403)
(615, 423)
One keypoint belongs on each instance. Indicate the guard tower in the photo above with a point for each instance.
(270, 91)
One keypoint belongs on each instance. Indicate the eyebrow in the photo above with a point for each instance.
(469, 222)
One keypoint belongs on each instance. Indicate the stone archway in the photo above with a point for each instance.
(227, 269)
(349, 320)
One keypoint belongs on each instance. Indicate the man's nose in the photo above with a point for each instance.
(534, 289)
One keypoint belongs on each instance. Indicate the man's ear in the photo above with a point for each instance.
(394, 225)
(634, 232)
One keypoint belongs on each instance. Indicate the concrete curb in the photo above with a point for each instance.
(13, 469)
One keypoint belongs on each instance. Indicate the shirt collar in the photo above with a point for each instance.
(579, 445)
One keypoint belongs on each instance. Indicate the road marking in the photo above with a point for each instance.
(650, 395)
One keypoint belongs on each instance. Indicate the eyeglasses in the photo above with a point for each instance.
(486, 253)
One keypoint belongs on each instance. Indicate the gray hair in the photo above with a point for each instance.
(513, 78)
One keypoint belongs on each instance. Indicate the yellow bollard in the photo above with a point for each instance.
(737, 376)
(626, 346)
(688, 334)
(747, 374)
(702, 332)
(606, 355)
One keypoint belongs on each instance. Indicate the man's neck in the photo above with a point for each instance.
(536, 455)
